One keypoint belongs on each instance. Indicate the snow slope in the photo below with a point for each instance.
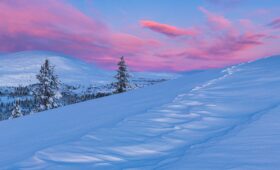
(205, 120)
(21, 68)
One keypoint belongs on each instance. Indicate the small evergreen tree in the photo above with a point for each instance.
(16, 112)
(47, 93)
(122, 77)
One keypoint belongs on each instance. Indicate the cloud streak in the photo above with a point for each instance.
(168, 30)
(275, 23)
(222, 42)
(216, 21)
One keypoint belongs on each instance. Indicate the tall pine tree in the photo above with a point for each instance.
(47, 92)
(122, 77)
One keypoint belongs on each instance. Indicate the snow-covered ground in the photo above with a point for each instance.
(204, 120)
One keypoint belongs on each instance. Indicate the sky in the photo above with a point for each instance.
(157, 35)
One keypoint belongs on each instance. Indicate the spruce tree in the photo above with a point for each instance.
(16, 112)
(47, 91)
(122, 77)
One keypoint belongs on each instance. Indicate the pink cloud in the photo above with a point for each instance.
(58, 26)
(237, 42)
(216, 21)
(224, 48)
(168, 30)
(229, 45)
(275, 23)
(214, 53)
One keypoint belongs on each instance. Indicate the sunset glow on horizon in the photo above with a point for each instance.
(159, 35)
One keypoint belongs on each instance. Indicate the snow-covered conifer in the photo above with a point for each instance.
(47, 92)
(122, 76)
(16, 112)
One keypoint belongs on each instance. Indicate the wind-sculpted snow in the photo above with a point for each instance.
(170, 135)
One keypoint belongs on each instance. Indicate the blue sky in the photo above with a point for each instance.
(120, 13)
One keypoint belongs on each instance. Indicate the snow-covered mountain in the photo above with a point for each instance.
(216, 119)
(20, 69)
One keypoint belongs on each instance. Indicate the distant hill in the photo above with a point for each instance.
(21, 68)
